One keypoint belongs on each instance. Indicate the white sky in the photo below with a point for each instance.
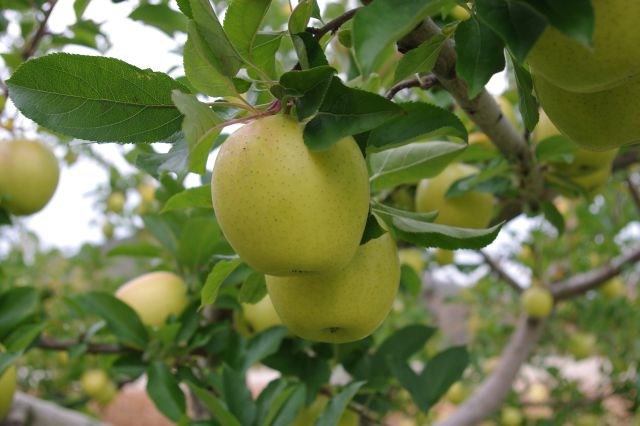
(71, 218)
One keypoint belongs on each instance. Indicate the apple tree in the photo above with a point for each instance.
(360, 165)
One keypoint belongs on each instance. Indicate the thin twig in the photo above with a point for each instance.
(40, 32)
(504, 275)
(50, 344)
(425, 83)
(333, 25)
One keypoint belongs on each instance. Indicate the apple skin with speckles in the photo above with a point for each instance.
(287, 210)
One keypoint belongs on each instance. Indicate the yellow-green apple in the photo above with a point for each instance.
(613, 59)
(97, 385)
(7, 389)
(460, 13)
(147, 192)
(342, 306)
(537, 302)
(594, 182)
(115, 202)
(582, 345)
(613, 288)
(413, 257)
(287, 210)
(598, 121)
(259, 316)
(472, 209)
(308, 415)
(479, 138)
(29, 176)
(511, 416)
(457, 393)
(155, 296)
(444, 256)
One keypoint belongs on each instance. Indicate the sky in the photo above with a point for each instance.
(71, 218)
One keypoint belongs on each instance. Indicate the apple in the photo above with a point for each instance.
(444, 256)
(582, 345)
(147, 192)
(472, 209)
(536, 397)
(457, 393)
(594, 182)
(613, 288)
(287, 210)
(97, 385)
(538, 393)
(29, 176)
(107, 230)
(460, 13)
(598, 121)
(537, 302)
(115, 202)
(259, 316)
(613, 59)
(413, 257)
(510, 416)
(479, 138)
(343, 306)
(402, 198)
(7, 389)
(308, 415)
(155, 296)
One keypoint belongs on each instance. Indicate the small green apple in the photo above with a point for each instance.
(7, 389)
(29, 174)
(155, 296)
(260, 316)
(444, 256)
(342, 306)
(287, 210)
(115, 202)
(413, 257)
(460, 13)
(582, 345)
(613, 58)
(107, 230)
(308, 415)
(613, 288)
(97, 385)
(472, 209)
(537, 302)
(457, 393)
(511, 416)
(147, 192)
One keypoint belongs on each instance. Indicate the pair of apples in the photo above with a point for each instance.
(298, 216)
(591, 93)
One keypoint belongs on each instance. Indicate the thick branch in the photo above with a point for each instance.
(582, 283)
(504, 275)
(489, 395)
(27, 410)
(485, 113)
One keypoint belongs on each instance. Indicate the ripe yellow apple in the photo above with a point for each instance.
(115, 202)
(285, 209)
(308, 415)
(598, 121)
(457, 393)
(29, 176)
(97, 385)
(444, 256)
(155, 296)
(614, 58)
(147, 192)
(537, 302)
(613, 288)
(260, 316)
(343, 306)
(582, 345)
(7, 389)
(413, 257)
(510, 416)
(473, 209)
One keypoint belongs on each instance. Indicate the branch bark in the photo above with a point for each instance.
(40, 32)
(489, 395)
(484, 112)
(504, 275)
(31, 411)
(582, 283)
(92, 348)
(424, 82)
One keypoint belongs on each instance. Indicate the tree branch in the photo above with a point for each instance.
(50, 344)
(504, 275)
(424, 82)
(485, 113)
(623, 161)
(333, 25)
(581, 283)
(635, 193)
(489, 395)
(40, 32)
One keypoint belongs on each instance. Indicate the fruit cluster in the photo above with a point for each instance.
(298, 216)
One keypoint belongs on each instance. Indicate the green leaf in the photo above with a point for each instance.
(574, 18)
(163, 389)
(372, 229)
(215, 406)
(553, 216)
(203, 68)
(160, 16)
(407, 228)
(263, 55)
(226, 58)
(199, 197)
(515, 22)
(121, 319)
(527, 101)
(95, 98)
(198, 240)
(161, 230)
(309, 51)
(401, 344)
(17, 305)
(253, 289)
(79, 6)
(7, 359)
(237, 396)
(286, 406)
(218, 274)
(411, 163)
(176, 160)
(23, 336)
(384, 22)
(242, 22)
(199, 121)
(556, 148)
(300, 16)
(480, 54)
(346, 111)
(141, 249)
(422, 59)
(419, 120)
(382, 210)
(331, 415)
(309, 86)
(262, 345)
(476, 182)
